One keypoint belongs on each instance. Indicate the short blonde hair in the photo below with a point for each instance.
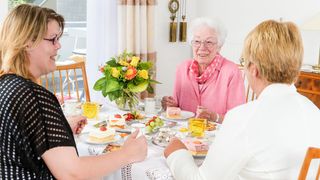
(276, 48)
(23, 24)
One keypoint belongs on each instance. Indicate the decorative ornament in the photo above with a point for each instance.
(173, 8)
(183, 23)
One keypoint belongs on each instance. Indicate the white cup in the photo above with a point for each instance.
(141, 128)
(149, 105)
(71, 107)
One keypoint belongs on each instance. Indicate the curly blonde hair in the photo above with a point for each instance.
(277, 50)
(23, 24)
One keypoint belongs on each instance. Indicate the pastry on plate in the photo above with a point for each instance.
(117, 121)
(196, 147)
(101, 135)
(173, 112)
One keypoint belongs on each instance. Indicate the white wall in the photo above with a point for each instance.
(3, 9)
(242, 16)
(170, 54)
(239, 17)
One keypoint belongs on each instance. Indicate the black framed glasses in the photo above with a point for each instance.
(53, 40)
(206, 43)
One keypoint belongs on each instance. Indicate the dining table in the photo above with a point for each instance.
(154, 167)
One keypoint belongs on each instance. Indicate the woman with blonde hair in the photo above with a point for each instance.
(266, 138)
(36, 139)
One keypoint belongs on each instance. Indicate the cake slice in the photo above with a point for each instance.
(117, 121)
(173, 112)
(196, 147)
(101, 135)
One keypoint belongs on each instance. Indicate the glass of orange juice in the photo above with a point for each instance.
(90, 109)
(197, 127)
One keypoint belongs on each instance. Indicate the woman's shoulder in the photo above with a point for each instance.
(228, 64)
(185, 64)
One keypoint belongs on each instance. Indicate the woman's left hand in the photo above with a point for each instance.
(77, 123)
(174, 145)
(203, 112)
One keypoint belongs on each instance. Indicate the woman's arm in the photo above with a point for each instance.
(64, 162)
(235, 94)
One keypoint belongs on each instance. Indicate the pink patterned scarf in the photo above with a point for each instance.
(194, 68)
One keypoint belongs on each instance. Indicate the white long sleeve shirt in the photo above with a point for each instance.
(263, 139)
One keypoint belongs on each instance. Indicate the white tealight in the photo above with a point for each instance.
(149, 105)
(141, 128)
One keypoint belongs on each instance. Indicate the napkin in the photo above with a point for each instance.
(159, 174)
(95, 150)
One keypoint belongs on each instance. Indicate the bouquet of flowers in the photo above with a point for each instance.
(125, 76)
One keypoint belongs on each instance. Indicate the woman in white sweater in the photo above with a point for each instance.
(266, 138)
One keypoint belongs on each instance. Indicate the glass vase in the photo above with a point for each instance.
(127, 103)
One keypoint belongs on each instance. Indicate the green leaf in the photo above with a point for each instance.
(114, 95)
(112, 62)
(138, 88)
(98, 86)
(144, 65)
(150, 89)
(112, 85)
(154, 81)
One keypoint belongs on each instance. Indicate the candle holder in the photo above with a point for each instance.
(173, 8)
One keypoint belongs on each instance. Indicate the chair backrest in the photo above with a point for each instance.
(250, 95)
(312, 153)
(64, 82)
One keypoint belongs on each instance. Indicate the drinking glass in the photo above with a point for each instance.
(197, 127)
(149, 105)
(90, 109)
(71, 107)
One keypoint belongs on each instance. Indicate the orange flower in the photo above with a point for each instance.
(101, 69)
(131, 73)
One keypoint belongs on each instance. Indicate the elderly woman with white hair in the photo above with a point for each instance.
(208, 84)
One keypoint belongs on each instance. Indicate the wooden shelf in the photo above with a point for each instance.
(308, 84)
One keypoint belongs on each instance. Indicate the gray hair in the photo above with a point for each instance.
(213, 23)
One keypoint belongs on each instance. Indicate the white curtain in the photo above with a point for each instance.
(101, 40)
(136, 22)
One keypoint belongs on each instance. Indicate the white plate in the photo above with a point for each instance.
(184, 116)
(158, 143)
(84, 137)
(127, 129)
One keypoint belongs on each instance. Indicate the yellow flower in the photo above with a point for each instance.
(134, 61)
(115, 72)
(144, 74)
(123, 62)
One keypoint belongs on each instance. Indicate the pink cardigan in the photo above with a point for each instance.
(223, 91)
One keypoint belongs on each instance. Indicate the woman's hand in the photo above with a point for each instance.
(77, 123)
(174, 145)
(168, 101)
(203, 112)
(135, 147)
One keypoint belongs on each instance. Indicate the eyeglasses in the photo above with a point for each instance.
(54, 40)
(206, 43)
(243, 62)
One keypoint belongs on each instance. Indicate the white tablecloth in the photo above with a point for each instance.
(154, 165)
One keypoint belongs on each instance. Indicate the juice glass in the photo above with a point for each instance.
(197, 127)
(90, 109)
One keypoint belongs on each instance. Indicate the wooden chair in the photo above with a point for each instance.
(312, 153)
(250, 95)
(64, 81)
